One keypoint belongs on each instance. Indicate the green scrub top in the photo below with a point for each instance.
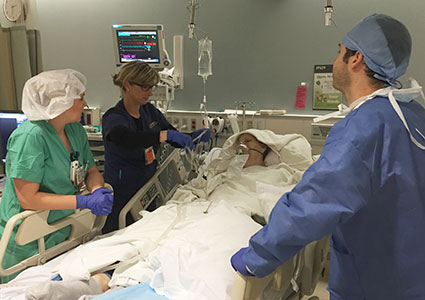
(36, 153)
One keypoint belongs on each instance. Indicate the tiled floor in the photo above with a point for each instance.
(320, 292)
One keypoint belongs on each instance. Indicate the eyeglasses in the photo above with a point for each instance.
(145, 87)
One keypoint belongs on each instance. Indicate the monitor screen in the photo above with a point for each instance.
(139, 42)
(138, 45)
(9, 121)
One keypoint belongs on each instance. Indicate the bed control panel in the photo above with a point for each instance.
(167, 153)
(150, 199)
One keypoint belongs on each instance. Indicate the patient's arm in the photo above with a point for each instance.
(72, 289)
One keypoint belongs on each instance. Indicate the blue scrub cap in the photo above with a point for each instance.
(385, 44)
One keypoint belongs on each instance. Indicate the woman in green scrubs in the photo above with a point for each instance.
(40, 156)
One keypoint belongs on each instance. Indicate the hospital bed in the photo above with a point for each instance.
(295, 278)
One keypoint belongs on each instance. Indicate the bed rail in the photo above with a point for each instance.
(159, 188)
(252, 288)
(292, 280)
(84, 227)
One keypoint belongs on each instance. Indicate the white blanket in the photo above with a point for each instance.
(182, 251)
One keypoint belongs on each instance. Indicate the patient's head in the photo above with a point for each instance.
(248, 144)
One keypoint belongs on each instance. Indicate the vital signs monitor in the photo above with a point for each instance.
(134, 42)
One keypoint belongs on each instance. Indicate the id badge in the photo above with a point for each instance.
(78, 174)
(81, 175)
(149, 155)
(74, 168)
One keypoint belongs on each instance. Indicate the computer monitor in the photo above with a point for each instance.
(134, 42)
(9, 121)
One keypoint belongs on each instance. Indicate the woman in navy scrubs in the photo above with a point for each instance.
(132, 132)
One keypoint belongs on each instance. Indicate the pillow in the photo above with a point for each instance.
(268, 195)
(271, 159)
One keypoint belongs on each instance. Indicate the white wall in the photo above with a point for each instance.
(262, 49)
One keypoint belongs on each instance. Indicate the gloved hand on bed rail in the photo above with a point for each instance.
(238, 264)
(99, 202)
(181, 139)
(201, 135)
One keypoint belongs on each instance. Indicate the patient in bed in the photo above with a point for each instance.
(206, 220)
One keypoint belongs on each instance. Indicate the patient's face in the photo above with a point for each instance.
(251, 143)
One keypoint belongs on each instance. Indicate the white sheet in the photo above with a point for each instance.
(192, 262)
(15, 289)
(268, 195)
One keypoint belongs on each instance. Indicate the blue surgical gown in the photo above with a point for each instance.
(368, 191)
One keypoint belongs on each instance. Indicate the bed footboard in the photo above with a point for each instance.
(249, 288)
(295, 278)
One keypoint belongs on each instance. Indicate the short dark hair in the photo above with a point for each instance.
(369, 73)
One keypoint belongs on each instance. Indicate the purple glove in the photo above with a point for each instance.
(181, 139)
(238, 264)
(204, 138)
(99, 202)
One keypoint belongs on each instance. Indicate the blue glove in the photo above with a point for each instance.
(238, 264)
(181, 139)
(99, 202)
(204, 138)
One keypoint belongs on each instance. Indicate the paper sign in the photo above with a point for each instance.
(301, 97)
(325, 96)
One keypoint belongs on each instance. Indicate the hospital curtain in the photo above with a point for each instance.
(20, 59)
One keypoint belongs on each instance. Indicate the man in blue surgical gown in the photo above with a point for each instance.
(367, 189)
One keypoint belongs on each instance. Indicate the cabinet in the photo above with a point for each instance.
(98, 150)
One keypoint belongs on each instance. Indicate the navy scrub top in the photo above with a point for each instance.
(127, 168)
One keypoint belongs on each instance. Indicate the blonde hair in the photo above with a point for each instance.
(137, 72)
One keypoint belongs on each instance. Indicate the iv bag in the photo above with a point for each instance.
(204, 58)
